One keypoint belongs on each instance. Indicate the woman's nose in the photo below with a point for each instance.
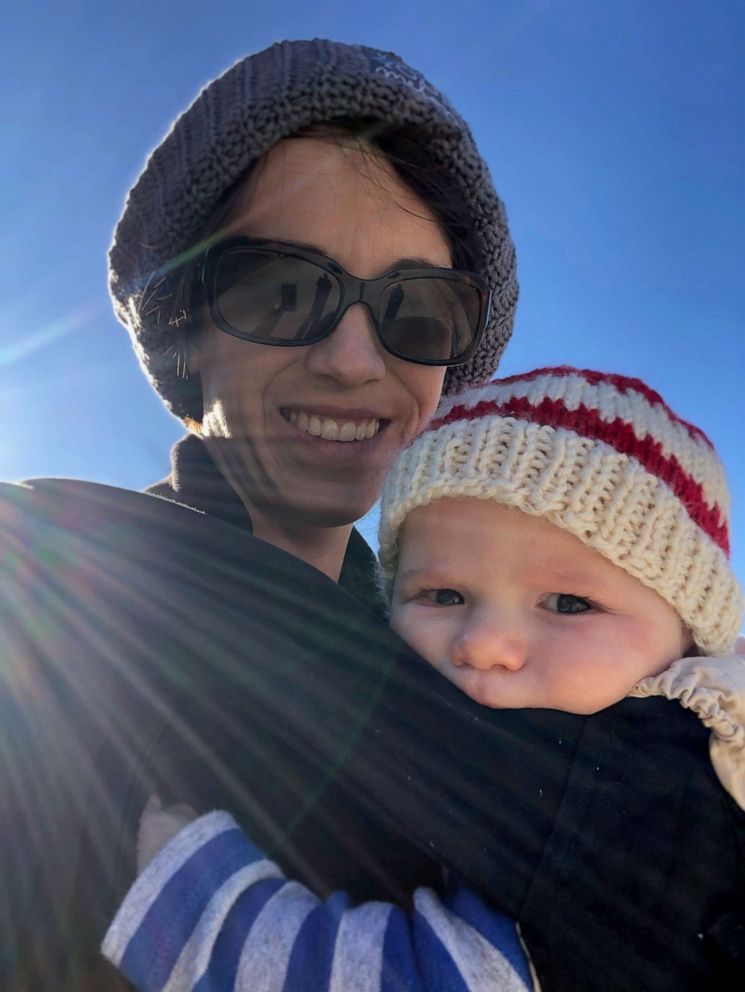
(351, 354)
(487, 645)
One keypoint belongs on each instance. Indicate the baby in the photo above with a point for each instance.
(557, 539)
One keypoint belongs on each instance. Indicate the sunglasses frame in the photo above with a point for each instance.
(353, 290)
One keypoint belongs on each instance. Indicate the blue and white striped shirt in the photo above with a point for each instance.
(212, 914)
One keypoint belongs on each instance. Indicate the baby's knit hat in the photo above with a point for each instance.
(236, 119)
(601, 456)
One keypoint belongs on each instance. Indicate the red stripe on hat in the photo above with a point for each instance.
(623, 383)
(618, 434)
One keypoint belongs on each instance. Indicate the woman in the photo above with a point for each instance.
(384, 172)
(333, 191)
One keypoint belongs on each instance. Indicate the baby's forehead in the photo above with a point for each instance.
(471, 517)
(472, 534)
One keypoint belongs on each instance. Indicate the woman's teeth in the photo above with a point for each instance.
(334, 430)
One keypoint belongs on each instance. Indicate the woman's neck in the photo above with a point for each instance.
(322, 547)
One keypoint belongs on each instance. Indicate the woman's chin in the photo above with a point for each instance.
(329, 513)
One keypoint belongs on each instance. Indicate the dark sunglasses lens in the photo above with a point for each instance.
(267, 296)
(430, 319)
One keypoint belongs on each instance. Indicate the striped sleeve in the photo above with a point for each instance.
(212, 914)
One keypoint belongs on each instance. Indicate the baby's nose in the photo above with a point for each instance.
(489, 645)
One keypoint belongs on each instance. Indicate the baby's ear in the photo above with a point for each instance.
(158, 827)
(691, 649)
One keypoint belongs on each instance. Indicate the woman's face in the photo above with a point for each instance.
(265, 406)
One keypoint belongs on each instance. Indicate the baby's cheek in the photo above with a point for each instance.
(472, 683)
(412, 630)
(657, 647)
(399, 622)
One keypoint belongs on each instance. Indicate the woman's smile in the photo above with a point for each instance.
(340, 428)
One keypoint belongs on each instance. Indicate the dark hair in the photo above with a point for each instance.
(403, 147)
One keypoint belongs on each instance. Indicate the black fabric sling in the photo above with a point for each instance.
(150, 648)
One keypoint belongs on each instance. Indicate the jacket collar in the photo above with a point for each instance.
(196, 481)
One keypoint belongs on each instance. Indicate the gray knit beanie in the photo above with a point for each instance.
(263, 98)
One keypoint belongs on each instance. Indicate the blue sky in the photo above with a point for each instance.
(615, 132)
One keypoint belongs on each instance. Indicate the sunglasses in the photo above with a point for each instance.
(275, 293)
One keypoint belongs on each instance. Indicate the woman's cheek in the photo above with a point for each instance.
(425, 386)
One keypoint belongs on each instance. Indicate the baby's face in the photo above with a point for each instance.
(519, 613)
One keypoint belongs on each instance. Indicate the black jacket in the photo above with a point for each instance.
(151, 648)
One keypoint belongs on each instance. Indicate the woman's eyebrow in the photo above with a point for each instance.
(413, 261)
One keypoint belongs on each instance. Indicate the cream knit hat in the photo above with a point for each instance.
(601, 456)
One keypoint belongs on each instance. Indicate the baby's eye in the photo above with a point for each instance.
(443, 597)
(565, 602)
